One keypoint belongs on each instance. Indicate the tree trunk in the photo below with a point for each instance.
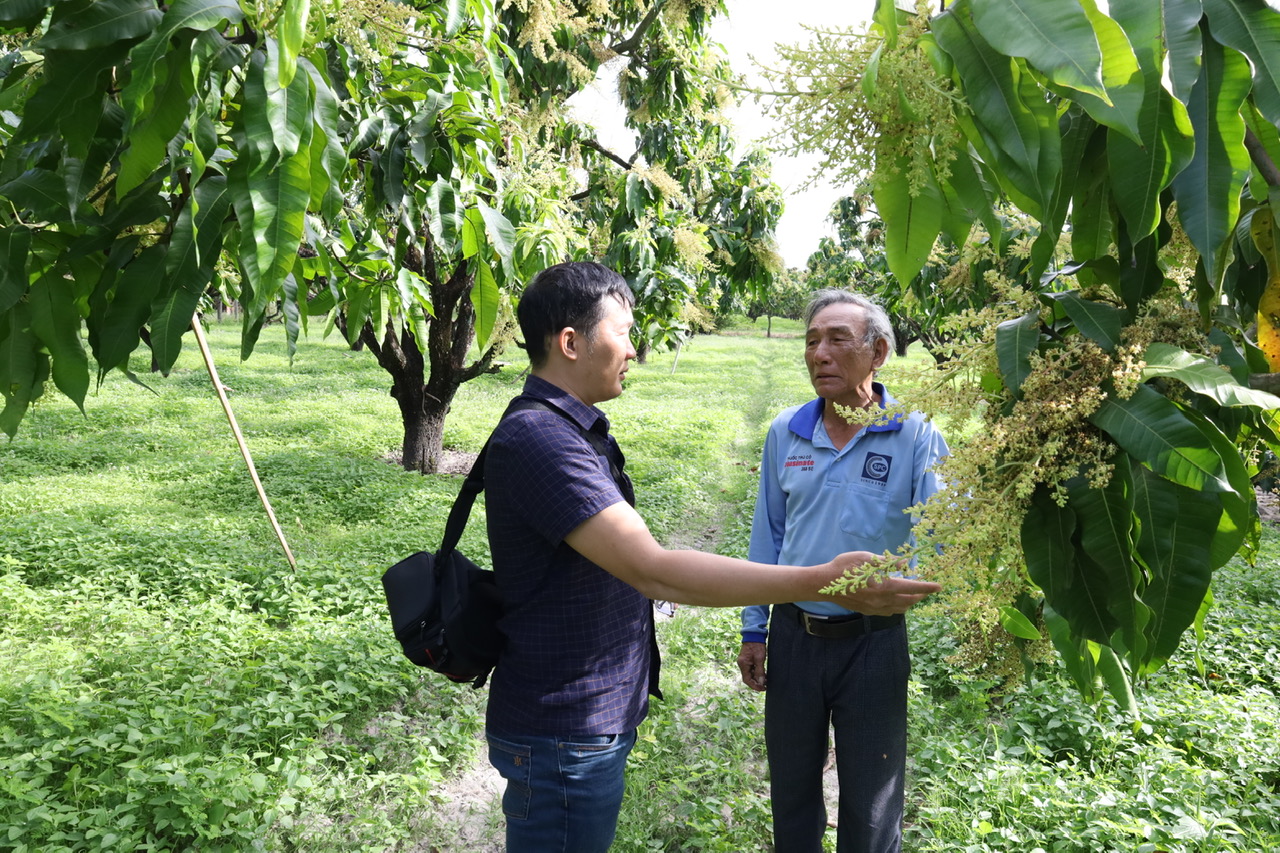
(425, 375)
(423, 419)
(768, 326)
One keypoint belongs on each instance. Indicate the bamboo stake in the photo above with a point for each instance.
(235, 428)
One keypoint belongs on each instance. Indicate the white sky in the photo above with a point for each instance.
(751, 29)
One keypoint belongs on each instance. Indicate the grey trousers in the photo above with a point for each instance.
(858, 686)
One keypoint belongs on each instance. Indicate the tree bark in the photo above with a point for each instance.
(1269, 382)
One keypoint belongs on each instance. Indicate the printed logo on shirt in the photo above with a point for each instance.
(875, 468)
(804, 462)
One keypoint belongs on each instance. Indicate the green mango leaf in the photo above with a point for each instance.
(501, 234)
(871, 71)
(70, 88)
(885, 15)
(328, 163)
(1183, 44)
(23, 368)
(1105, 520)
(1055, 36)
(637, 195)
(358, 298)
(1092, 221)
(194, 247)
(293, 31)
(1204, 376)
(292, 314)
(968, 198)
(1071, 587)
(269, 248)
(472, 233)
(413, 291)
(1066, 151)
(56, 322)
(1015, 341)
(15, 248)
(81, 178)
(1156, 432)
(41, 195)
(485, 297)
(162, 118)
(911, 224)
(1143, 165)
(1254, 30)
(392, 164)
(253, 133)
(1011, 119)
(1118, 682)
(1097, 321)
(1175, 525)
(1072, 651)
(1208, 189)
(1121, 76)
(199, 15)
(288, 111)
(1239, 519)
(454, 17)
(96, 23)
(1141, 171)
(22, 14)
(1016, 623)
(122, 310)
(443, 218)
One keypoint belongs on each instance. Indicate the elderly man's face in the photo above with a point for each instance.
(840, 363)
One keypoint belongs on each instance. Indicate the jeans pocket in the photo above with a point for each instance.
(581, 747)
(514, 763)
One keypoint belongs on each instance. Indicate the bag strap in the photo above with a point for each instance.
(474, 484)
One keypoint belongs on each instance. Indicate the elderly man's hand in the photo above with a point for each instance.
(751, 665)
(880, 597)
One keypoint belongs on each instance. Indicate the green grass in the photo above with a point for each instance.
(169, 683)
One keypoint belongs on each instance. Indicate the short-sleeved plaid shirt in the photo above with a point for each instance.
(578, 652)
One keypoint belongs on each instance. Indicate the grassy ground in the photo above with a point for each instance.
(169, 683)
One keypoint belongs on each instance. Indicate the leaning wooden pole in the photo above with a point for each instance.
(235, 428)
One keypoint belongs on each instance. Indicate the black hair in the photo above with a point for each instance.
(568, 294)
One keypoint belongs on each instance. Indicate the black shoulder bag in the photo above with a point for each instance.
(444, 608)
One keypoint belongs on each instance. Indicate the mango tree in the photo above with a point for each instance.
(1121, 425)
(397, 170)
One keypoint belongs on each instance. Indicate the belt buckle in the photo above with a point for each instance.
(811, 620)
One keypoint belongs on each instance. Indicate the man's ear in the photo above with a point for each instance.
(567, 343)
(881, 354)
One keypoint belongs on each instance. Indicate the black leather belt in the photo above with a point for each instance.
(839, 627)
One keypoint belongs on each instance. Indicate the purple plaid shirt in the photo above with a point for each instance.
(577, 658)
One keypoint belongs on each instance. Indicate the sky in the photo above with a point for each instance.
(751, 30)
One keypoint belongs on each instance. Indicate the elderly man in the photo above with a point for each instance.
(827, 486)
(576, 566)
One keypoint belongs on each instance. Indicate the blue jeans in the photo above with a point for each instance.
(563, 793)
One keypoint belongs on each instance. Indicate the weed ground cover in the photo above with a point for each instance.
(169, 683)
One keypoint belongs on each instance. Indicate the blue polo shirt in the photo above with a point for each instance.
(578, 640)
(816, 501)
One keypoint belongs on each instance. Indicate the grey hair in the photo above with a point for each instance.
(878, 328)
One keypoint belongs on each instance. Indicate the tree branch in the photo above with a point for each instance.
(1258, 154)
(596, 146)
(633, 41)
(1269, 382)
